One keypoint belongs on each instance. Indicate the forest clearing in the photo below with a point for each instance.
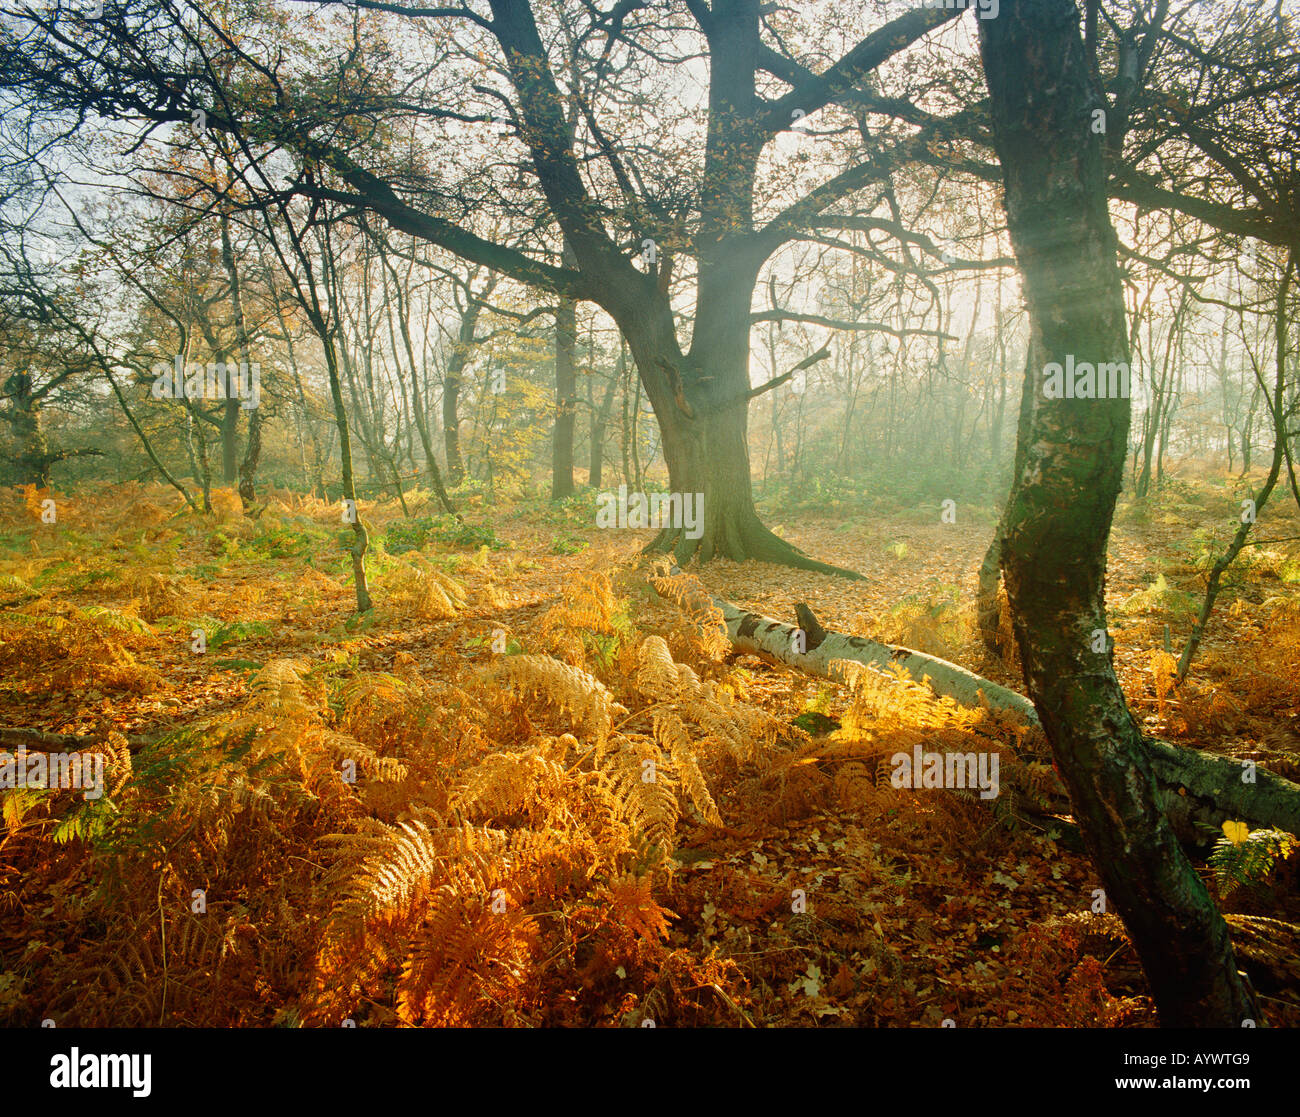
(918, 905)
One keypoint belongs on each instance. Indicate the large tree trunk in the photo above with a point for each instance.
(701, 401)
(1058, 522)
(704, 422)
(25, 455)
(248, 467)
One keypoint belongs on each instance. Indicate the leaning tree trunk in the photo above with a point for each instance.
(148, 446)
(1054, 552)
(1276, 407)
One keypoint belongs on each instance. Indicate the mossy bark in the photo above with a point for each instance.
(1059, 518)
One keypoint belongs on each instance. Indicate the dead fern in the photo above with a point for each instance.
(569, 689)
(418, 585)
(707, 630)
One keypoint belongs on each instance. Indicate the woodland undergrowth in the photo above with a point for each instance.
(516, 795)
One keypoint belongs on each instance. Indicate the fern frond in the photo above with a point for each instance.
(382, 768)
(709, 625)
(572, 690)
(676, 741)
(656, 673)
(11, 583)
(630, 905)
(387, 870)
(1249, 862)
(116, 620)
(505, 784)
(471, 957)
(641, 785)
(429, 592)
(279, 689)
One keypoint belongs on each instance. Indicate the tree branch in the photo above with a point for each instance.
(776, 382)
(878, 47)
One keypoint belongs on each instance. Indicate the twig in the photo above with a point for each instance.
(728, 1002)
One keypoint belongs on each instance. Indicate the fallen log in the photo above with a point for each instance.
(1198, 787)
(39, 740)
(14, 737)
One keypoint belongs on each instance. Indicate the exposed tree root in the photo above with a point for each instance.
(752, 542)
(1198, 787)
(1268, 950)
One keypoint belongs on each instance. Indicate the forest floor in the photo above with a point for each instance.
(433, 815)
